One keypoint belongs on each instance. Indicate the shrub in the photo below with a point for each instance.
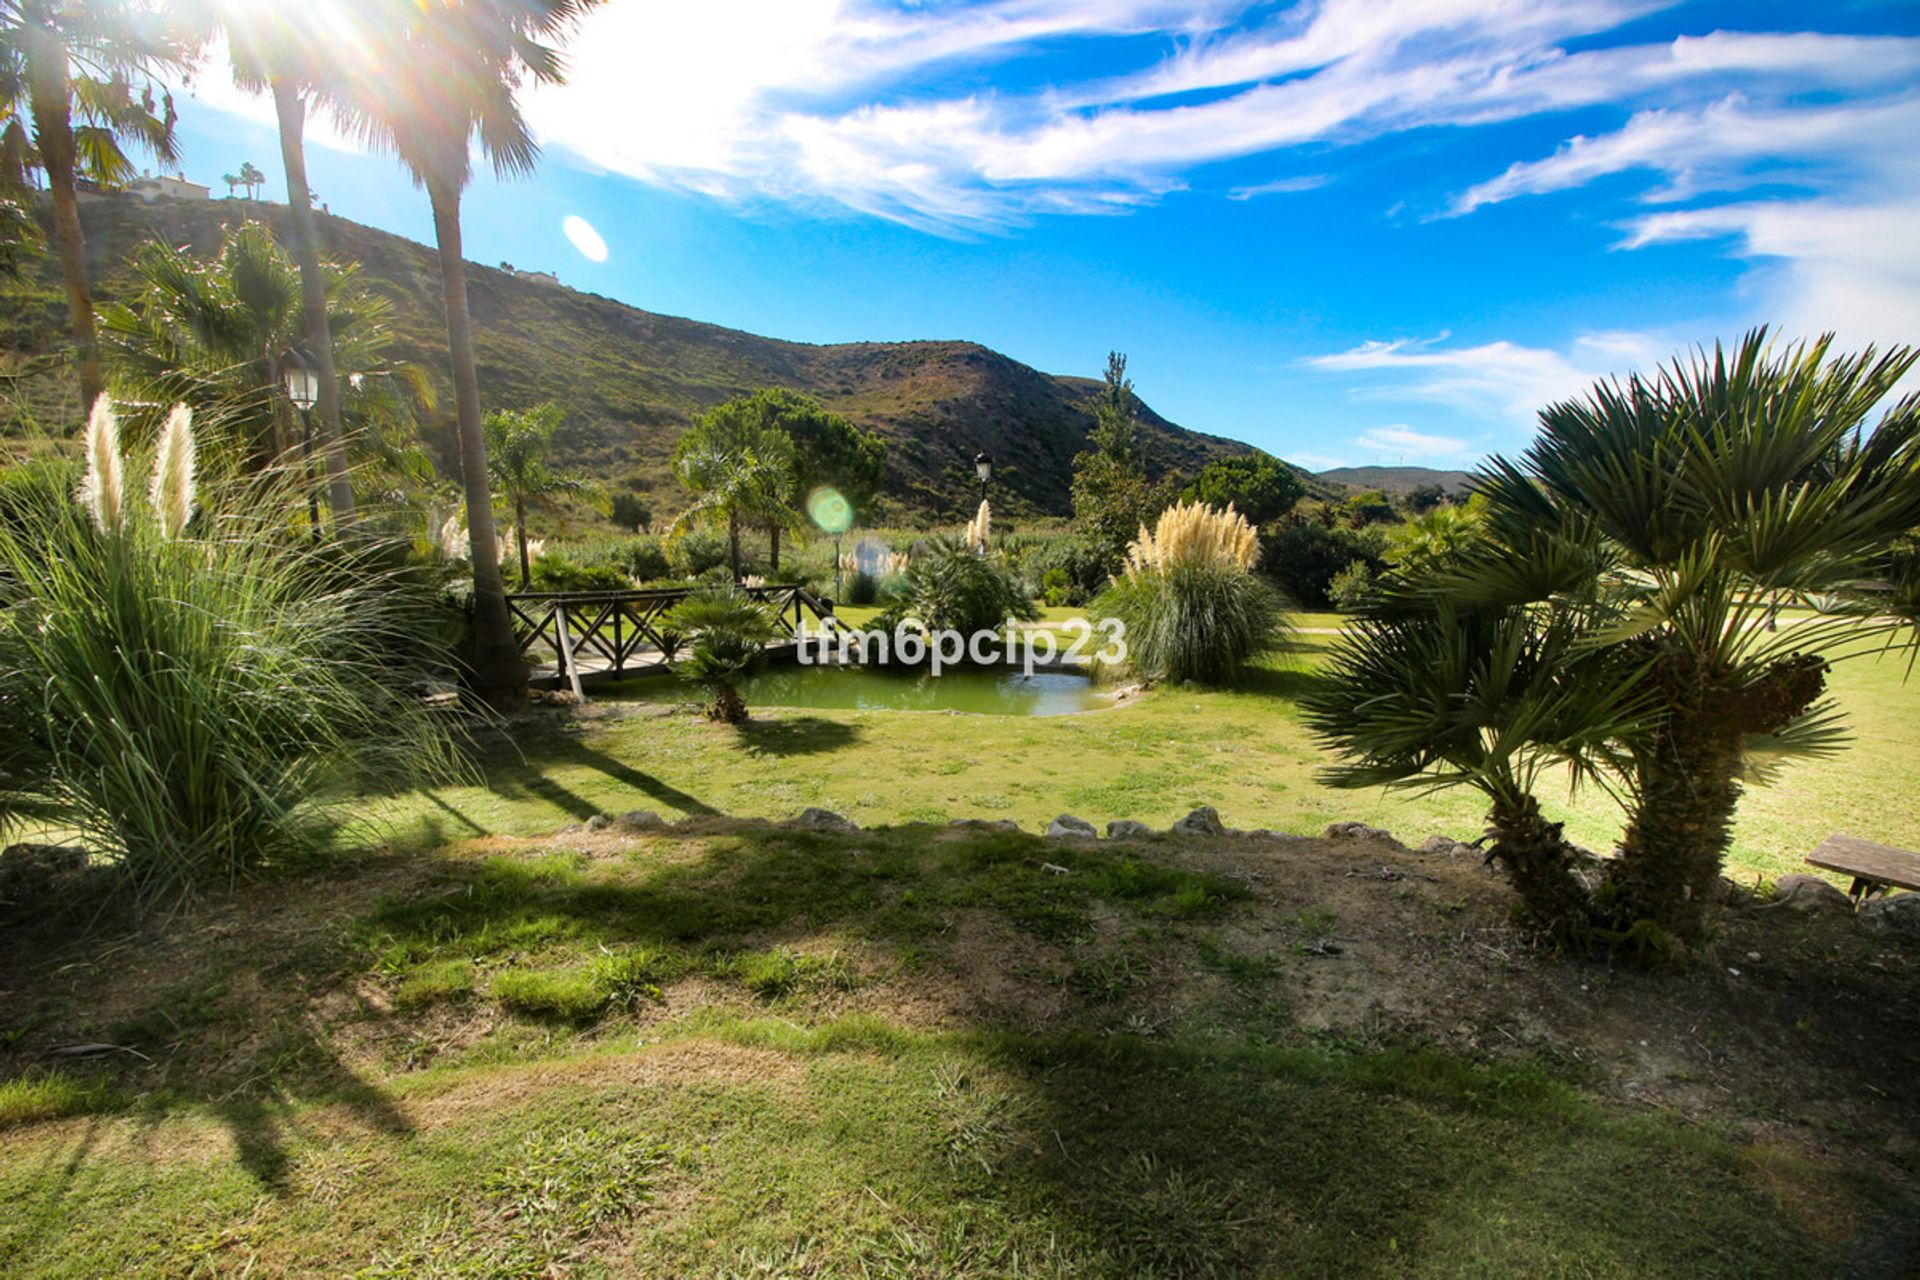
(1056, 588)
(950, 587)
(727, 635)
(192, 686)
(696, 552)
(1304, 558)
(1084, 567)
(556, 571)
(862, 588)
(1352, 587)
(1192, 606)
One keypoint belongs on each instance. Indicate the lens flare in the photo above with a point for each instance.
(585, 238)
(830, 511)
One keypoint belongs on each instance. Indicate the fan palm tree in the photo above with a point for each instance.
(479, 52)
(211, 334)
(742, 474)
(251, 178)
(518, 442)
(85, 70)
(1688, 504)
(726, 634)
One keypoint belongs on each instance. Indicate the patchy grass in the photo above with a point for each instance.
(50, 1095)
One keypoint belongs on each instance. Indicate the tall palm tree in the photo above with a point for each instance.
(270, 52)
(93, 60)
(518, 442)
(479, 52)
(251, 178)
(1689, 503)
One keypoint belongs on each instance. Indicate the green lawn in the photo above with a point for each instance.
(1243, 751)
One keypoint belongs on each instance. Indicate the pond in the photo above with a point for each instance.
(983, 691)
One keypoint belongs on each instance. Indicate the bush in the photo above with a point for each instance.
(1084, 567)
(1056, 588)
(1352, 587)
(555, 571)
(698, 552)
(1304, 558)
(629, 511)
(862, 588)
(950, 587)
(188, 695)
(727, 634)
(1192, 606)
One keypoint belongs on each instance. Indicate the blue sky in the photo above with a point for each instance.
(1346, 231)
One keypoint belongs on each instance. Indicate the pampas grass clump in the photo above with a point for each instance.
(198, 691)
(1192, 606)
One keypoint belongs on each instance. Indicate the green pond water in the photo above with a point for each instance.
(984, 692)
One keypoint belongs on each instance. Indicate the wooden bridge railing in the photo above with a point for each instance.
(604, 632)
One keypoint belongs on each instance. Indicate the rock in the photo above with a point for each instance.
(1127, 829)
(1731, 893)
(598, 822)
(1356, 831)
(1898, 915)
(1812, 895)
(823, 820)
(1444, 847)
(1068, 825)
(1204, 821)
(640, 820)
(986, 824)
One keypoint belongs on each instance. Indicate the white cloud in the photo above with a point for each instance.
(1403, 441)
(1281, 186)
(1502, 377)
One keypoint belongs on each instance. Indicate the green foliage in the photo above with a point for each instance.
(1261, 488)
(1115, 433)
(518, 442)
(862, 588)
(1074, 566)
(741, 471)
(828, 449)
(1437, 538)
(1368, 507)
(555, 571)
(950, 587)
(212, 334)
(1112, 494)
(629, 511)
(1201, 622)
(1352, 587)
(1304, 558)
(194, 701)
(727, 634)
(48, 1095)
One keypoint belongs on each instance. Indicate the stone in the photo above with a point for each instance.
(1069, 826)
(1204, 821)
(823, 820)
(1445, 847)
(1811, 895)
(598, 822)
(1127, 829)
(1898, 915)
(985, 824)
(640, 820)
(1356, 831)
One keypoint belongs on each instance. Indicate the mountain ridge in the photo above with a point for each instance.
(631, 379)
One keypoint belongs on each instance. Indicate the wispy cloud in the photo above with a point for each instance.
(1281, 186)
(1501, 377)
(1405, 442)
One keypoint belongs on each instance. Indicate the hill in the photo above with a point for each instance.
(631, 380)
(1396, 479)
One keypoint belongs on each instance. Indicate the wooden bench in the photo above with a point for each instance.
(1874, 867)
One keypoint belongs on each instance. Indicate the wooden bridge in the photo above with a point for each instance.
(606, 635)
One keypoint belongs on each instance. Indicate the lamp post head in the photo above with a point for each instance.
(983, 466)
(303, 383)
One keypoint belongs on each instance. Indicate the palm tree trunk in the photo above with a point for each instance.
(520, 535)
(733, 544)
(51, 104)
(774, 531)
(292, 111)
(1688, 787)
(499, 675)
(1539, 862)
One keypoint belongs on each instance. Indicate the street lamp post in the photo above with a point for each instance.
(983, 467)
(303, 390)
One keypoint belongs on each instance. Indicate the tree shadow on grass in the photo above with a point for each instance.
(531, 776)
(263, 1121)
(796, 736)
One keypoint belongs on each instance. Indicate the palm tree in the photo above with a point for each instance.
(742, 473)
(252, 179)
(269, 54)
(211, 333)
(726, 635)
(93, 59)
(232, 180)
(518, 441)
(479, 52)
(1678, 510)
